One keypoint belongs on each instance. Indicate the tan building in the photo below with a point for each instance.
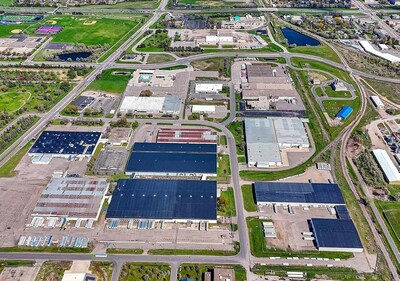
(220, 274)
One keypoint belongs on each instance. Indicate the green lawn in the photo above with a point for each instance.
(224, 167)
(156, 58)
(186, 252)
(104, 31)
(6, 2)
(336, 94)
(145, 271)
(5, 31)
(323, 51)
(228, 209)
(124, 251)
(7, 170)
(222, 65)
(391, 213)
(109, 82)
(155, 43)
(195, 271)
(237, 129)
(314, 272)
(11, 101)
(248, 198)
(223, 140)
(259, 248)
(333, 106)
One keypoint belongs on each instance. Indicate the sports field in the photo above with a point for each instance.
(5, 31)
(109, 82)
(12, 101)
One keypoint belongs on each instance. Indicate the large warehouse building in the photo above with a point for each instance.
(337, 235)
(72, 199)
(151, 105)
(298, 194)
(63, 144)
(167, 200)
(173, 159)
(390, 171)
(265, 137)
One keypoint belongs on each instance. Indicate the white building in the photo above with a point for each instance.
(203, 109)
(377, 102)
(370, 49)
(208, 88)
(390, 171)
(153, 105)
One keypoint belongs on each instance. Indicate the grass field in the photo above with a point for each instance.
(323, 51)
(224, 167)
(7, 170)
(6, 2)
(237, 129)
(389, 90)
(248, 198)
(108, 82)
(12, 101)
(336, 94)
(102, 269)
(391, 213)
(196, 271)
(259, 248)
(156, 58)
(155, 43)
(5, 31)
(229, 209)
(186, 252)
(222, 65)
(333, 106)
(124, 251)
(145, 271)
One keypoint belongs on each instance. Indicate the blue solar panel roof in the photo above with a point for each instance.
(290, 192)
(173, 158)
(164, 199)
(334, 233)
(342, 212)
(60, 142)
(174, 147)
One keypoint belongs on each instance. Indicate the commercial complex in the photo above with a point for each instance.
(168, 200)
(72, 198)
(389, 170)
(151, 105)
(172, 159)
(298, 194)
(265, 137)
(337, 235)
(63, 144)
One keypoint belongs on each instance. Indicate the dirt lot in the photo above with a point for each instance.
(21, 273)
(18, 195)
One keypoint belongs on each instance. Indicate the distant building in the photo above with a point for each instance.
(387, 166)
(377, 102)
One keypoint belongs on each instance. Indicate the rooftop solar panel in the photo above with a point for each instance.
(342, 212)
(61, 142)
(174, 147)
(290, 192)
(164, 199)
(334, 233)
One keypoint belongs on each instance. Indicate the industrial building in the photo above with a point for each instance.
(208, 88)
(172, 159)
(390, 171)
(151, 105)
(344, 112)
(167, 200)
(119, 136)
(377, 102)
(367, 46)
(203, 109)
(265, 137)
(72, 198)
(298, 194)
(63, 144)
(337, 235)
(82, 102)
(186, 135)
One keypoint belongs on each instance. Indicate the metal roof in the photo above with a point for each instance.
(334, 233)
(386, 164)
(62, 142)
(293, 192)
(344, 112)
(164, 199)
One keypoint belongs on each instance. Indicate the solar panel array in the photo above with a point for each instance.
(173, 158)
(61, 142)
(342, 212)
(334, 233)
(290, 192)
(164, 199)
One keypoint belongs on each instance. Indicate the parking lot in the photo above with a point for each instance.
(104, 102)
(289, 227)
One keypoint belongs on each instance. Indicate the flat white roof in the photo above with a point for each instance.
(151, 104)
(207, 88)
(290, 132)
(203, 108)
(387, 165)
(377, 101)
(370, 49)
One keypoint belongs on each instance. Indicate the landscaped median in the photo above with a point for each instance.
(124, 251)
(195, 252)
